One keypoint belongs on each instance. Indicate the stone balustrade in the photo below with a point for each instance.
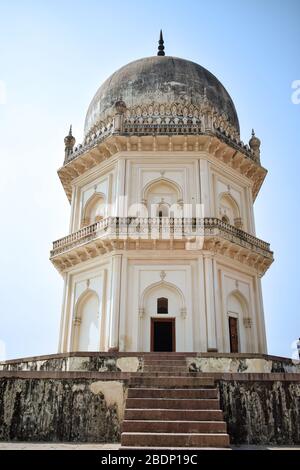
(159, 228)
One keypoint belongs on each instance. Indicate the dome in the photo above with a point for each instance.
(159, 80)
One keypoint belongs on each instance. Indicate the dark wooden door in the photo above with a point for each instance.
(233, 333)
(163, 334)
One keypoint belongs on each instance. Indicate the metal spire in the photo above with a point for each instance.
(161, 47)
(70, 131)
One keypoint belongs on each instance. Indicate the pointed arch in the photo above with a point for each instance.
(237, 312)
(148, 290)
(162, 180)
(229, 209)
(94, 209)
(162, 197)
(86, 332)
(236, 294)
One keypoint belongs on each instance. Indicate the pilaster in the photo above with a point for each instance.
(113, 343)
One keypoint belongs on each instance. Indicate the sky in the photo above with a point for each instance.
(53, 57)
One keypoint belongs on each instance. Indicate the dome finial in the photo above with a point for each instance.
(70, 131)
(161, 47)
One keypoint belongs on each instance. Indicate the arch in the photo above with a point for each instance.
(157, 285)
(237, 295)
(160, 195)
(237, 311)
(86, 334)
(163, 210)
(93, 210)
(229, 208)
(162, 180)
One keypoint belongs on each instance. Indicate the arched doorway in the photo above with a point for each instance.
(162, 325)
(236, 312)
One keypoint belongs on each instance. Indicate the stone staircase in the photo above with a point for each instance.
(168, 407)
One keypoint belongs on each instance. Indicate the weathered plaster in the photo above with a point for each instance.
(113, 393)
(128, 364)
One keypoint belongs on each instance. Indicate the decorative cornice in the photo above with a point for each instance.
(215, 143)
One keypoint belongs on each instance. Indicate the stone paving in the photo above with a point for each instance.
(107, 446)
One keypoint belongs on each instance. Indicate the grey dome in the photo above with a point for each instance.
(160, 80)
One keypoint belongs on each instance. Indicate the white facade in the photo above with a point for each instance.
(109, 300)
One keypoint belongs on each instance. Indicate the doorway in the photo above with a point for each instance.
(233, 335)
(162, 334)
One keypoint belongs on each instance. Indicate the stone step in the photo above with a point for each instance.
(174, 403)
(172, 393)
(173, 448)
(160, 358)
(174, 426)
(173, 415)
(168, 372)
(165, 362)
(171, 381)
(174, 439)
(163, 368)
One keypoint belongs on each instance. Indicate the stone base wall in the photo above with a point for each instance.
(262, 411)
(134, 362)
(81, 397)
(36, 409)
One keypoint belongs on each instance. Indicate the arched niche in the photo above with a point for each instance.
(86, 330)
(238, 322)
(166, 290)
(229, 211)
(171, 298)
(163, 198)
(94, 209)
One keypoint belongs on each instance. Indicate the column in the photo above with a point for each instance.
(61, 342)
(210, 303)
(113, 343)
(201, 337)
(205, 188)
(260, 319)
(218, 309)
(123, 305)
(121, 203)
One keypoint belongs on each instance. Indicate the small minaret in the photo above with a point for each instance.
(69, 141)
(161, 47)
(254, 144)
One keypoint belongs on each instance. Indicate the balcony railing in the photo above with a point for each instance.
(159, 228)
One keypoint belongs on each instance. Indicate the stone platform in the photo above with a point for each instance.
(151, 399)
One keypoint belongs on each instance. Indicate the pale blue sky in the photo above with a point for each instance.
(53, 57)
